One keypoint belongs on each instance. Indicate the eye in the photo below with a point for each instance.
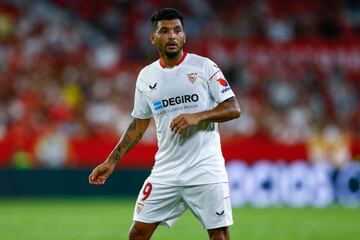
(163, 31)
(178, 30)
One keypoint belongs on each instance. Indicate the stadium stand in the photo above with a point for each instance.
(68, 71)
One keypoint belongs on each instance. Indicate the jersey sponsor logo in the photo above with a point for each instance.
(175, 101)
(192, 77)
(224, 84)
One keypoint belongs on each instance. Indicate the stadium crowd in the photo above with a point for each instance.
(68, 68)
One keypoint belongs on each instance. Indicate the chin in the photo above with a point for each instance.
(172, 54)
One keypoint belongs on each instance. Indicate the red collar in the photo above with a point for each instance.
(162, 64)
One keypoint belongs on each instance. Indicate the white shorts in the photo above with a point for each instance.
(164, 204)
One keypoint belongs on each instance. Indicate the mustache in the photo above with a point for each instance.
(171, 43)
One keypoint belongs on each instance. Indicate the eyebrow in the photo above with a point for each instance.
(165, 27)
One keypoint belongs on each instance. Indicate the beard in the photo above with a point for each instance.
(172, 53)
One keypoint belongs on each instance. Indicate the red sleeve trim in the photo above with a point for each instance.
(214, 74)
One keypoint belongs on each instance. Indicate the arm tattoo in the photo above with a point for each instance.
(130, 138)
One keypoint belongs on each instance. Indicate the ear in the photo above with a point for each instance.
(152, 38)
(184, 37)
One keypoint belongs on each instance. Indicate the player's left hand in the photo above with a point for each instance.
(183, 121)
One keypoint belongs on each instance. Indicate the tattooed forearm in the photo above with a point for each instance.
(131, 137)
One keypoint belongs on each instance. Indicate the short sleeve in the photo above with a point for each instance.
(220, 89)
(141, 107)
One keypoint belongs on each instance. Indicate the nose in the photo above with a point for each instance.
(171, 34)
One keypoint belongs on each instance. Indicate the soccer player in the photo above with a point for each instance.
(187, 95)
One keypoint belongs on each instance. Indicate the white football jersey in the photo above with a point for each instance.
(196, 84)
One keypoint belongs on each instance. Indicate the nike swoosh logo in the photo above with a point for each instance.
(153, 86)
(220, 213)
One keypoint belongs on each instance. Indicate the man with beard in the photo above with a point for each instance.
(187, 95)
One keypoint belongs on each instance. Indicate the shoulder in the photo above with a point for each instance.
(208, 67)
(147, 74)
(204, 63)
(149, 68)
(197, 60)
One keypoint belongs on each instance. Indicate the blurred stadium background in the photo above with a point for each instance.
(67, 77)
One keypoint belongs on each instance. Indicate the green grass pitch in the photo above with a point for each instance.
(110, 219)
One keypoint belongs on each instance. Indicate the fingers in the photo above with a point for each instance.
(91, 178)
(178, 124)
(96, 180)
(184, 121)
(174, 123)
(179, 129)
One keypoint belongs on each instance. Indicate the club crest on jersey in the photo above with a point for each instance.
(192, 77)
(224, 84)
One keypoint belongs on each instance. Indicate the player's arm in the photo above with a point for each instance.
(130, 138)
(225, 111)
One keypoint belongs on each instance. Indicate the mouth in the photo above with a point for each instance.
(171, 45)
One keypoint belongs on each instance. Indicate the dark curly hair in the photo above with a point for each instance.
(165, 14)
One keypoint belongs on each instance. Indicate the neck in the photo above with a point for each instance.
(171, 62)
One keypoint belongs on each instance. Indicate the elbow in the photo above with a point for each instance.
(232, 109)
(236, 113)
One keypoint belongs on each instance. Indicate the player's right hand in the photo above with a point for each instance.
(101, 173)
